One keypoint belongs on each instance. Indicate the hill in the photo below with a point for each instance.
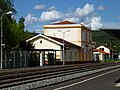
(102, 38)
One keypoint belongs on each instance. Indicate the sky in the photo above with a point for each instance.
(92, 13)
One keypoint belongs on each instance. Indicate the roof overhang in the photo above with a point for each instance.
(40, 35)
(100, 51)
(55, 40)
(43, 50)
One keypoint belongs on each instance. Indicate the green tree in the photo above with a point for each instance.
(5, 6)
(102, 38)
(13, 32)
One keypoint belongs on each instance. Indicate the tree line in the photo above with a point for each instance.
(13, 31)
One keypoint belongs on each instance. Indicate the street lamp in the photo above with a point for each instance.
(10, 12)
(63, 32)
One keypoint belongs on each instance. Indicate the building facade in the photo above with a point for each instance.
(47, 45)
(99, 54)
(78, 34)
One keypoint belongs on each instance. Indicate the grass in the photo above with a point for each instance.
(109, 61)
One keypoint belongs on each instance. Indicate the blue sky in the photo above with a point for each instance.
(93, 13)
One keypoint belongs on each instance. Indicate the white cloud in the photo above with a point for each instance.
(39, 7)
(30, 19)
(50, 15)
(73, 19)
(51, 8)
(95, 23)
(101, 7)
(118, 17)
(39, 31)
(87, 9)
(86, 15)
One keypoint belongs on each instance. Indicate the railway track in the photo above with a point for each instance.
(16, 77)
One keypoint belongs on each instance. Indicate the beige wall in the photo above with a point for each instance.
(78, 34)
(70, 36)
(72, 54)
(73, 35)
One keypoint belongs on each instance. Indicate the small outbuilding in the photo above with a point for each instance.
(100, 55)
(50, 50)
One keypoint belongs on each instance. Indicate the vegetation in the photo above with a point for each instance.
(102, 38)
(14, 34)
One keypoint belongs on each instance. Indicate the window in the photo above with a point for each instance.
(102, 49)
(90, 37)
(40, 41)
(83, 36)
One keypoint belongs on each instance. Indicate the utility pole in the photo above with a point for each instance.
(63, 32)
(1, 63)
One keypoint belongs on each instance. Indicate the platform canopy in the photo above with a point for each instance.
(113, 32)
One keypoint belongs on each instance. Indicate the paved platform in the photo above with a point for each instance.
(102, 81)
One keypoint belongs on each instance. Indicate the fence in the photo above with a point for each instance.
(17, 59)
(30, 58)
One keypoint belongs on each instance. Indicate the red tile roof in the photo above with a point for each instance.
(59, 40)
(97, 50)
(64, 22)
(65, 42)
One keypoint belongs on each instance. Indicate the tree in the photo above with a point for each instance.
(13, 32)
(17, 34)
(5, 6)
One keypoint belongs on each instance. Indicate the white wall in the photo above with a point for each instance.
(48, 44)
(105, 49)
(100, 55)
(119, 57)
(45, 44)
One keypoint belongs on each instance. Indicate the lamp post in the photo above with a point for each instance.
(10, 12)
(63, 32)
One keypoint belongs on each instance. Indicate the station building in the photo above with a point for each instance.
(78, 34)
(51, 48)
(77, 40)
